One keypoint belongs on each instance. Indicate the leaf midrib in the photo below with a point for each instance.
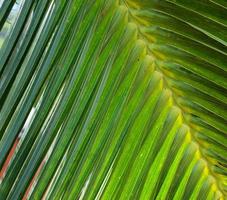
(175, 103)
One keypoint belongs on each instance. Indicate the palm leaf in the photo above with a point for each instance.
(114, 100)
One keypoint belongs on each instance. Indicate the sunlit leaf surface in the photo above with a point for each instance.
(108, 99)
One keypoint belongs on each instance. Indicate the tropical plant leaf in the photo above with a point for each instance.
(107, 99)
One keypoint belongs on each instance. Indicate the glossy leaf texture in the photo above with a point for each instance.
(107, 99)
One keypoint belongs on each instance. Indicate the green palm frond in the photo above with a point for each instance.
(107, 99)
